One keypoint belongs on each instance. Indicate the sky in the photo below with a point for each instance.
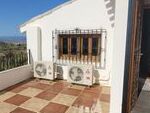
(15, 12)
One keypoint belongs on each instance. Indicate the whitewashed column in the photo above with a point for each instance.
(119, 49)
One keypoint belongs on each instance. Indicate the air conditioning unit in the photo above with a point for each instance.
(81, 74)
(61, 71)
(44, 70)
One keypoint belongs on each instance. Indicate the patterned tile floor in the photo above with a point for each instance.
(42, 96)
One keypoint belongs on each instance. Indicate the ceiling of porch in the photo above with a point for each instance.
(147, 2)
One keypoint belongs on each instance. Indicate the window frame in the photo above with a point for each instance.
(79, 56)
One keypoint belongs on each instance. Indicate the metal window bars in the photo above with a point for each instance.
(100, 61)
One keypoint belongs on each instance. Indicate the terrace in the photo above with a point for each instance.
(30, 95)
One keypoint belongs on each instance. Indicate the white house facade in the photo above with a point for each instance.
(84, 15)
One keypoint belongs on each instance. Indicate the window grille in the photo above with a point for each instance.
(80, 47)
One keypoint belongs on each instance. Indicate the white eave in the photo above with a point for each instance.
(47, 13)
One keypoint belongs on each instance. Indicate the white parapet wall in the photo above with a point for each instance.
(14, 76)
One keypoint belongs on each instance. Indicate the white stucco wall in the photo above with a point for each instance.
(119, 50)
(13, 76)
(32, 41)
(83, 14)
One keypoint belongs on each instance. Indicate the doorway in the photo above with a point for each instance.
(139, 54)
(134, 55)
(145, 50)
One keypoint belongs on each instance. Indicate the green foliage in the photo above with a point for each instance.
(12, 55)
(5, 47)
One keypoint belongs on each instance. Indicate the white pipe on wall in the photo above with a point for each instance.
(39, 44)
(103, 48)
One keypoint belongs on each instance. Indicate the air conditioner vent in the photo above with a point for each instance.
(40, 69)
(76, 74)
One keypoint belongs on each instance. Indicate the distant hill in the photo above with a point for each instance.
(12, 39)
(2, 43)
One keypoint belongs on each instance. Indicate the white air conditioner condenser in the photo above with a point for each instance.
(80, 74)
(43, 69)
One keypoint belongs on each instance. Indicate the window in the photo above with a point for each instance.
(65, 46)
(83, 47)
(95, 46)
(73, 45)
